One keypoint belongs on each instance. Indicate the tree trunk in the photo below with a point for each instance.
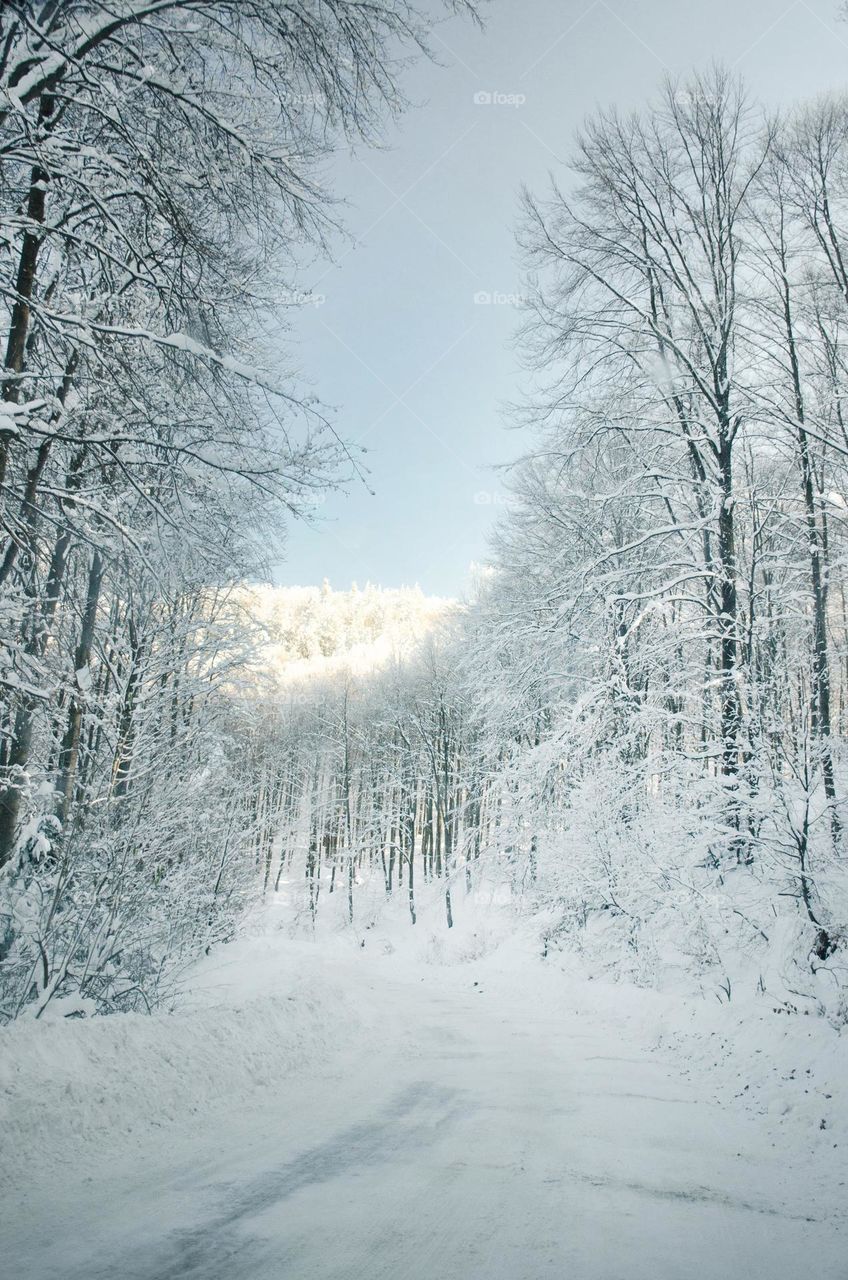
(69, 754)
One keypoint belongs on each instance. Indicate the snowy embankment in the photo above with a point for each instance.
(318, 1068)
(72, 1089)
(785, 1072)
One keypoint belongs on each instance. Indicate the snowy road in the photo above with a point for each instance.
(492, 1137)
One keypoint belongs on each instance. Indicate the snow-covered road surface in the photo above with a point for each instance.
(486, 1132)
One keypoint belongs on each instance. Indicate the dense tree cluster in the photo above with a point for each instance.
(638, 722)
(684, 518)
(158, 189)
(306, 623)
(649, 696)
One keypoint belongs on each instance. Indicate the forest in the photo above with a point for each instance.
(636, 721)
(423, 810)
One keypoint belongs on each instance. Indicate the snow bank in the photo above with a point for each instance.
(72, 1089)
(265, 1014)
(756, 1053)
(77, 1090)
(763, 1060)
(783, 1066)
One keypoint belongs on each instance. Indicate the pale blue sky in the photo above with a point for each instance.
(418, 371)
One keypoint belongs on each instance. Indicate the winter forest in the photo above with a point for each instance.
(615, 767)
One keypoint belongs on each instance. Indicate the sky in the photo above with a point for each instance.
(411, 337)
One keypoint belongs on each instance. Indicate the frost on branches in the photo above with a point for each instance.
(157, 184)
(638, 721)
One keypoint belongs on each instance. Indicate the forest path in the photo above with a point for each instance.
(484, 1134)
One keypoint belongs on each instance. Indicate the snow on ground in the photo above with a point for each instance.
(257, 1013)
(430, 1103)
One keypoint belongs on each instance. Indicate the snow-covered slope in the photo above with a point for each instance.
(317, 632)
(425, 1103)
